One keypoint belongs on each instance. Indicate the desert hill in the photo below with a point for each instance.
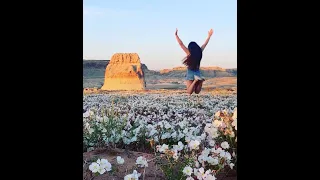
(94, 71)
(96, 68)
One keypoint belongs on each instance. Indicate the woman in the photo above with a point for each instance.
(194, 79)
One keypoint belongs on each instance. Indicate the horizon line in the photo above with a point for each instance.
(160, 69)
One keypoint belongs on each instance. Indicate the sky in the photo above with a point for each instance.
(147, 27)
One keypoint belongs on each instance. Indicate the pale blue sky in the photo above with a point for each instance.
(147, 27)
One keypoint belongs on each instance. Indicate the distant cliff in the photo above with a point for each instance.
(96, 69)
(208, 72)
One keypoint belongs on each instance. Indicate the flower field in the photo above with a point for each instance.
(182, 137)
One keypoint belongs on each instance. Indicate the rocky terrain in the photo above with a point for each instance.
(94, 73)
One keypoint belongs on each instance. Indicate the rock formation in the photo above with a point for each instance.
(124, 72)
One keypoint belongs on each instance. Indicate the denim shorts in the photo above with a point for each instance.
(191, 73)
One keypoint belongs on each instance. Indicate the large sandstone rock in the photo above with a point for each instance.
(124, 72)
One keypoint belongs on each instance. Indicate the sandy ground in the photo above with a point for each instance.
(223, 82)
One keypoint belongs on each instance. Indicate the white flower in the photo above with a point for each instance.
(210, 177)
(160, 124)
(207, 128)
(195, 171)
(206, 174)
(180, 146)
(98, 161)
(175, 155)
(213, 161)
(217, 123)
(216, 151)
(233, 154)
(202, 158)
(212, 143)
(175, 147)
(152, 132)
(210, 159)
(101, 170)
(150, 126)
(187, 170)
(215, 134)
(86, 114)
(156, 139)
(185, 131)
(91, 131)
(181, 135)
(94, 167)
(174, 135)
(203, 136)
(105, 119)
(120, 160)
(167, 126)
(232, 134)
(165, 135)
(163, 148)
(225, 145)
(133, 139)
(103, 162)
(197, 164)
(142, 161)
(228, 156)
(206, 152)
(135, 175)
(188, 139)
(201, 174)
(194, 144)
(128, 177)
(231, 165)
(223, 154)
(99, 119)
(182, 124)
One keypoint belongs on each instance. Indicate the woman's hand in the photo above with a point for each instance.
(176, 32)
(209, 33)
(207, 40)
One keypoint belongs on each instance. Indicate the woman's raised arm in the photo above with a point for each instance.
(207, 40)
(185, 49)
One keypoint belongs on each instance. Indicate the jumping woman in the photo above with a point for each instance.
(194, 78)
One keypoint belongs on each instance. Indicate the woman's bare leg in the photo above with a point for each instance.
(198, 87)
(191, 86)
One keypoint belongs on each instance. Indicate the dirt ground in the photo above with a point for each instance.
(212, 91)
(152, 172)
(174, 83)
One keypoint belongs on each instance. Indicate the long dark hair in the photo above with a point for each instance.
(192, 61)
